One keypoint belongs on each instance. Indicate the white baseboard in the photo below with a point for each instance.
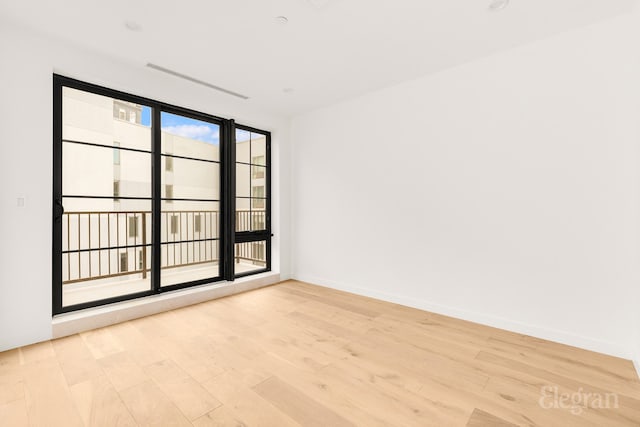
(98, 317)
(555, 335)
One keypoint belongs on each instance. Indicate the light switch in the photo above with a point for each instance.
(21, 202)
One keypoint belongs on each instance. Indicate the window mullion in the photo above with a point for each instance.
(156, 208)
(228, 198)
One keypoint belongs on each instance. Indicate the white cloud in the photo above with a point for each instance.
(199, 132)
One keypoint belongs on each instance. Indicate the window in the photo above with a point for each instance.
(257, 170)
(133, 227)
(136, 226)
(175, 225)
(257, 193)
(124, 262)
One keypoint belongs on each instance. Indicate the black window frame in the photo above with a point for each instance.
(227, 238)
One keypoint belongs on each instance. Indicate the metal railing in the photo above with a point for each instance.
(100, 245)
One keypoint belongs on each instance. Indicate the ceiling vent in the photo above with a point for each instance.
(194, 80)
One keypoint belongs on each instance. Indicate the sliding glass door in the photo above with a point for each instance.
(105, 160)
(147, 197)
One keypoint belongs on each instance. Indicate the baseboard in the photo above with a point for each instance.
(559, 336)
(98, 317)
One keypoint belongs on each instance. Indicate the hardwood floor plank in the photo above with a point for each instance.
(150, 407)
(136, 344)
(37, 352)
(14, 414)
(323, 324)
(122, 370)
(250, 407)
(11, 385)
(443, 411)
(48, 399)
(297, 405)
(195, 356)
(9, 359)
(101, 342)
(480, 418)
(75, 359)
(220, 417)
(100, 405)
(358, 308)
(188, 395)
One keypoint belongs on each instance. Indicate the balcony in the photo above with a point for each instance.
(108, 253)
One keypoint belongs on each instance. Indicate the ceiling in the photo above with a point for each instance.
(330, 50)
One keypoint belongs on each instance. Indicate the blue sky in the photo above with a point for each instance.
(146, 116)
(191, 128)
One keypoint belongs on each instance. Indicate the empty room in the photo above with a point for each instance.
(316, 213)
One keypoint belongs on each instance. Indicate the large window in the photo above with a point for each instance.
(150, 197)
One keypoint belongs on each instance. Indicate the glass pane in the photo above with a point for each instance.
(257, 191)
(258, 149)
(250, 219)
(243, 215)
(105, 238)
(97, 171)
(258, 204)
(243, 180)
(258, 172)
(106, 249)
(191, 179)
(251, 190)
(98, 119)
(250, 256)
(190, 229)
(182, 221)
(258, 220)
(186, 137)
(190, 245)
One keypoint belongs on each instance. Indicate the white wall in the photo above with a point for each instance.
(28, 62)
(504, 191)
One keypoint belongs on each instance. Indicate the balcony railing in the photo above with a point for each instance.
(109, 244)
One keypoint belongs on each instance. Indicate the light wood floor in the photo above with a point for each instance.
(300, 355)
